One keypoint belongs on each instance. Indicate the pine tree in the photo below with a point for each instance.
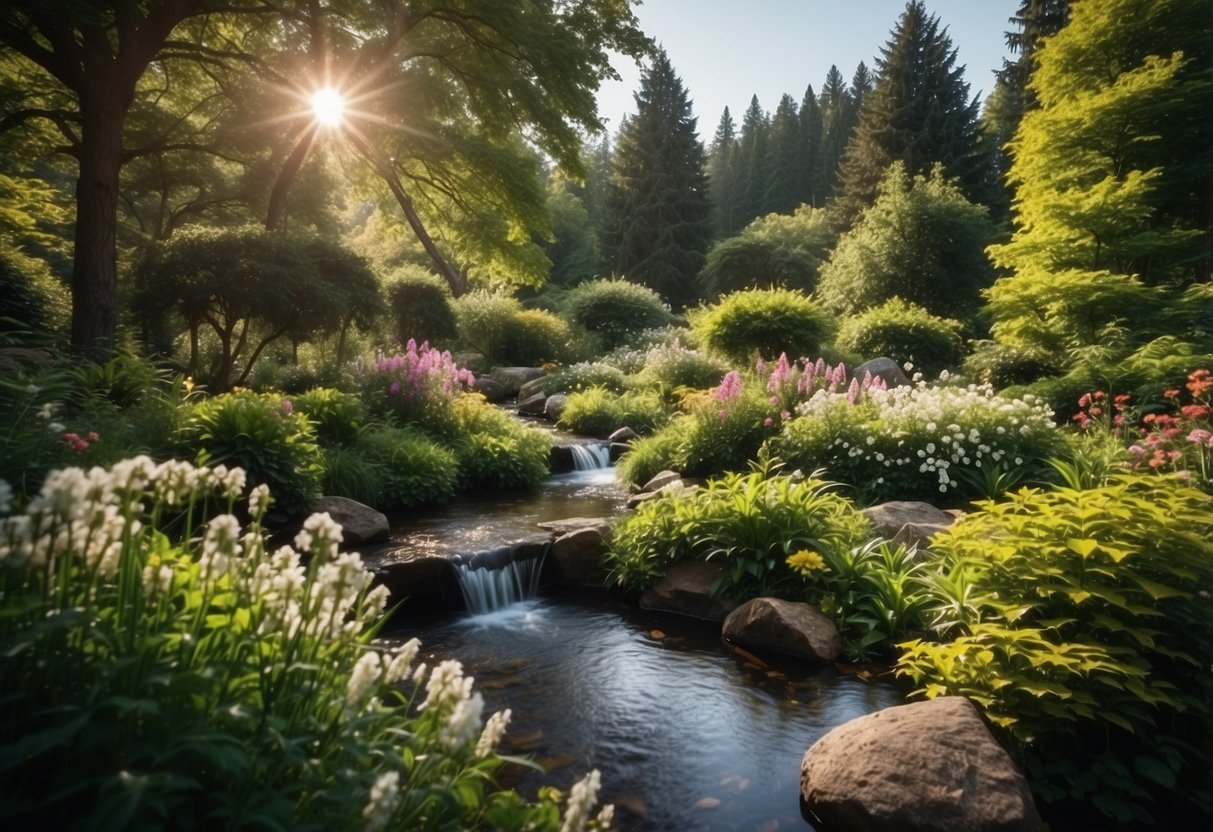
(861, 84)
(919, 112)
(786, 158)
(753, 164)
(723, 176)
(810, 148)
(836, 123)
(660, 213)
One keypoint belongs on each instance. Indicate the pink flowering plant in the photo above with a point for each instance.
(416, 385)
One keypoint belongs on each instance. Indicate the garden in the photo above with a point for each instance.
(1011, 331)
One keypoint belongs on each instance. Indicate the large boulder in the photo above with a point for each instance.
(426, 580)
(553, 408)
(359, 523)
(660, 480)
(786, 627)
(925, 519)
(624, 434)
(883, 368)
(575, 558)
(492, 390)
(925, 767)
(686, 589)
(512, 378)
(532, 405)
(535, 385)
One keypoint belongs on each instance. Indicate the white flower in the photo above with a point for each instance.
(6, 497)
(463, 723)
(582, 798)
(493, 731)
(447, 686)
(384, 797)
(944, 375)
(320, 535)
(363, 678)
(606, 816)
(220, 545)
(259, 499)
(402, 661)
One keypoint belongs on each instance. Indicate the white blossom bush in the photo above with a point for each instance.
(161, 666)
(925, 442)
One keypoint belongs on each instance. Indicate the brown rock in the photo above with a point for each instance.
(890, 517)
(575, 558)
(622, 435)
(512, 378)
(359, 523)
(786, 627)
(553, 408)
(661, 480)
(686, 589)
(618, 449)
(925, 767)
(427, 576)
(490, 389)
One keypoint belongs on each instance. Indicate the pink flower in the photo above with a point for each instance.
(768, 422)
(1200, 436)
(287, 407)
(852, 391)
(730, 387)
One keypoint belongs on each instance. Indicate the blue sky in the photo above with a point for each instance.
(727, 50)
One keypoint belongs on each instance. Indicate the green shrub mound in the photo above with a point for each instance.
(260, 433)
(674, 367)
(168, 668)
(32, 300)
(765, 322)
(1002, 365)
(494, 450)
(421, 307)
(751, 523)
(534, 337)
(411, 468)
(599, 412)
(616, 310)
(1079, 621)
(583, 376)
(906, 333)
(336, 416)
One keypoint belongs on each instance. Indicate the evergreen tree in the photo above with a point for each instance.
(1114, 169)
(919, 112)
(861, 84)
(723, 176)
(810, 148)
(755, 135)
(659, 224)
(837, 120)
(782, 193)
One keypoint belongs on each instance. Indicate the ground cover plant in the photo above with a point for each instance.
(163, 666)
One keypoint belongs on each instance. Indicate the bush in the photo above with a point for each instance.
(495, 450)
(416, 470)
(32, 300)
(1002, 365)
(751, 523)
(353, 471)
(534, 337)
(421, 307)
(162, 670)
(763, 321)
(1082, 633)
(484, 319)
(583, 376)
(259, 433)
(616, 310)
(599, 412)
(905, 333)
(337, 417)
(777, 251)
(914, 443)
(673, 367)
(417, 385)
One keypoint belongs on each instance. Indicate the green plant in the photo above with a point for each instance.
(533, 337)
(163, 666)
(616, 310)
(357, 472)
(583, 376)
(411, 468)
(1084, 635)
(671, 367)
(763, 321)
(495, 450)
(906, 333)
(337, 417)
(259, 433)
(421, 307)
(483, 320)
(777, 250)
(751, 523)
(1002, 365)
(418, 385)
(599, 412)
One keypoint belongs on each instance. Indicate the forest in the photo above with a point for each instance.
(255, 254)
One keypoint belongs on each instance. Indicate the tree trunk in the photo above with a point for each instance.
(275, 218)
(95, 265)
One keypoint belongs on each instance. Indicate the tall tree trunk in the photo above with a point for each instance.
(95, 265)
(275, 218)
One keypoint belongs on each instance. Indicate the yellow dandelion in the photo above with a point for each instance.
(806, 562)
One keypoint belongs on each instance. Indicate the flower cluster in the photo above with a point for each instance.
(79, 443)
(1181, 441)
(409, 382)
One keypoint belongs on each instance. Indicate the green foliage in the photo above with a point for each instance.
(1084, 636)
(534, 337)
(749, 522)
(484, 319)
(408, 467)
(775, 251)
(583, 376)
(648, 456)
(763, 321)
(356, 472)
(1002, 365)
(259, 433)
(616, 310)
(420, 304)
(921, 240)
(599, 412)
(904, 332)
(911, 443)
(336, 416)
(495, 450)
(168, 659)
(31, 299)
(674, 367)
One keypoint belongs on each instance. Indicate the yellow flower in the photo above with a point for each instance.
(806, 562)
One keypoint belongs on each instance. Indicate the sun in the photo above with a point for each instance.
(328, 106)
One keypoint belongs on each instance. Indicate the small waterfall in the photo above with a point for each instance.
(492, 588)
(590, 457)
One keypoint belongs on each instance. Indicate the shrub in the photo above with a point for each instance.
(616, 310)
(534, 337)
(599, 412)
(912, 442)
(421, 307)
(905, 333)
(337, 417)
(1002, 365)
(763, 321)
(751, 523)
(775, 251)
(672, 367)
(355, 472)
(161, 669)
(31, 298)
(416, 470)
(583, 376)
(484, 319)
(1083, 635)
(259, 433)
(495, 450)
(417, 385)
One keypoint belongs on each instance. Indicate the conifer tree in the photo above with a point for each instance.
(755, 134)
(837, 121)
(782, 193)
(659, 224)
(810, 148)
(723, 176)
(862, 83)
(919, 112)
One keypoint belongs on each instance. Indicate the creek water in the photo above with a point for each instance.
(688, 733)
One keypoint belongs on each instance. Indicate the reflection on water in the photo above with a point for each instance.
(687, 735)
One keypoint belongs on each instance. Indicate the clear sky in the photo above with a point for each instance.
(728, 50)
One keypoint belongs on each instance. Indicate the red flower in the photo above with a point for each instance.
(1171, 394)
(1196, 411)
